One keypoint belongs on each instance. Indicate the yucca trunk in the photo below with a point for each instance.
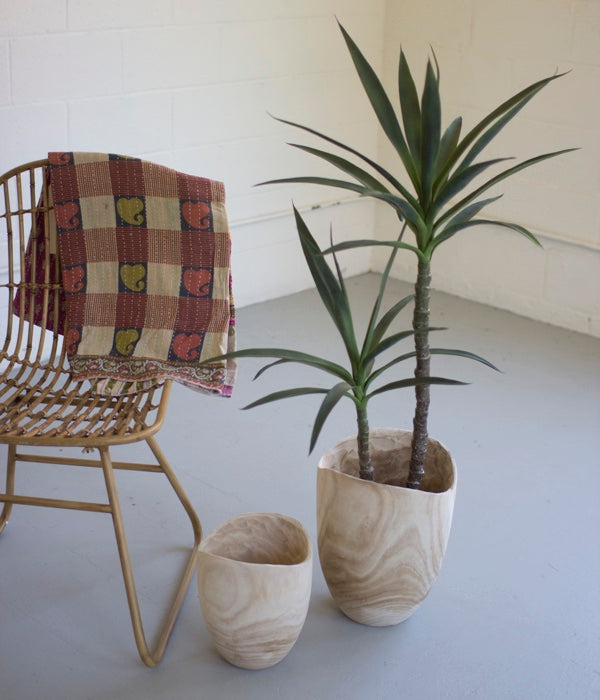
(366, 470)
(422, 369)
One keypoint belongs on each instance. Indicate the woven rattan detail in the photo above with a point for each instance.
(59, 409)
(39, 402)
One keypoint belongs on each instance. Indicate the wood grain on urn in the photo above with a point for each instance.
(381, 546)
(254, 582)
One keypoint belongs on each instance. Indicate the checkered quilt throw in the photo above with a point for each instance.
(145, 260)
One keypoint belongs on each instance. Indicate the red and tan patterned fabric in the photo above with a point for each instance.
(145, 260)
(36, 273)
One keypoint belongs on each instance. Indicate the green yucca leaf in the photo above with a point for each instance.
(448, 233)
(379, 299)
(406, 212)
(284, 355)
(386, 320)
(382, 106)
(317, 365)
(324, 279)
(326, 181)
(367, 242)
(331, 292)
(431, 120)
(262, 370)
(410, 107)
(414, 381)
(448, 145)
(463, 353)
(432, 351)
(342, 285)
(392, 340)
(468, 213)
(286, 394)
(495, 128)
(330, 401)
(376, 166)
(498, 178)
(460, 179)
(389, 342)
(437, 66)
(345, 166)
(516, 101)
(384, 368)
(442, 237)
(488, 136)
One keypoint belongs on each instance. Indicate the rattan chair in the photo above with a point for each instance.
(40, 404)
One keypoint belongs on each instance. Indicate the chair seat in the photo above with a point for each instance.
(47, 407)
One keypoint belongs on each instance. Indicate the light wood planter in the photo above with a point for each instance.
(380, 545)
(254, 583)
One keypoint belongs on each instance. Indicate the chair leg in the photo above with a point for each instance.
(10, 485)
(148, 657)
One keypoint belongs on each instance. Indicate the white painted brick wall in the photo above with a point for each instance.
(28, 129)
(487, 52)
(258, 274)
(91, 15)
(4, 73)
(144, 123)
(188, 83)
(32, 17)
(54, 68)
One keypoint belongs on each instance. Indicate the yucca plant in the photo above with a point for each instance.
(431, 194)
(357, 380)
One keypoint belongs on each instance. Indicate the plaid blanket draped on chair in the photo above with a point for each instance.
(145, 260)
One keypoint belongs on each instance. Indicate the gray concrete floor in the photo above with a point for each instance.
(515, 612)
